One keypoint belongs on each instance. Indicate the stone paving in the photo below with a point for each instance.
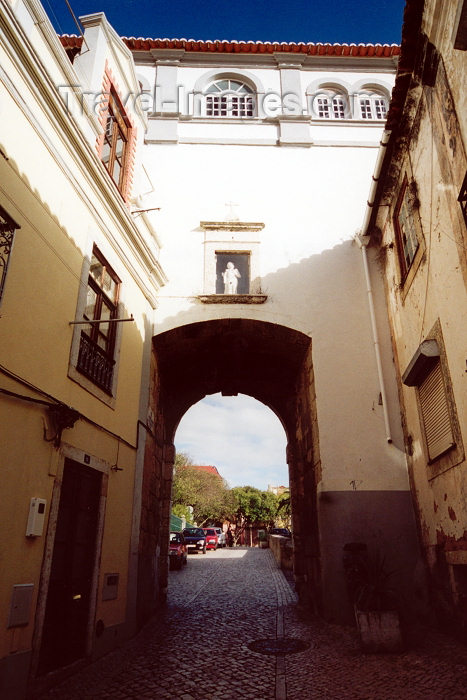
(196, 649)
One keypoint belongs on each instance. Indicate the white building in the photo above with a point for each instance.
(261, 155)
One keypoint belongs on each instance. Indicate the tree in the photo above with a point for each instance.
(250, 506)
(284, 508)
(206, 493)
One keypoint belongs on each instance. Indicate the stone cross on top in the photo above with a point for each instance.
(231, 214)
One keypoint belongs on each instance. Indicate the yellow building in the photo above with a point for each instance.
(79, 277)
(418, 224)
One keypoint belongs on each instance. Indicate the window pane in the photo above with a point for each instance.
(213, 88)
(223, 106)
(322, 104)
(106, 149)
(365, 108)
(106, 313)
(380, 107)
(102, 339)
(103, 331)
(210, 104)
(120, 146)
(338, 107)
(116, 171)
(109, 286)
(235, 85)
(235, 106)
(91, 300)
(96, 269)
(222, 85)
(109, 126)
(249, 106)
(407, 232)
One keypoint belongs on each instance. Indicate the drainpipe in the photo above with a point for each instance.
(363, 239)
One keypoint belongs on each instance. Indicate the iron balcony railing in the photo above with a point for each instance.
(95, 364)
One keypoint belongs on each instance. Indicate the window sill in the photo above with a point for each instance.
(232, 298)
(451, 458)
(90, 387)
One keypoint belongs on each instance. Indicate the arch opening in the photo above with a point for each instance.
(238, 435)
(266, 361)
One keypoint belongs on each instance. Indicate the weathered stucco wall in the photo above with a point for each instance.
(431, 301)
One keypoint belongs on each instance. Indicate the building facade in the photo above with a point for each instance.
(76, 264)
(261, 156)
(419, 228)
(254, 160)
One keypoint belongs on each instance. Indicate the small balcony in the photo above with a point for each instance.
(95, 363)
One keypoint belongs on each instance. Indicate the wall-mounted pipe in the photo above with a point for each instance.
(363, 239)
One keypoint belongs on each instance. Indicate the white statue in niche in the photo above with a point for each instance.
(230, 277)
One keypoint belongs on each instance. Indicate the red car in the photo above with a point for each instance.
(211, 538)
(177, 550)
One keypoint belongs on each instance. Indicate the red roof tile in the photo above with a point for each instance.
(205, 468)
(140, 44)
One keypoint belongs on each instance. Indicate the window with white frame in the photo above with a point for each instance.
(329, 105)
(372, 106)
(229, 98)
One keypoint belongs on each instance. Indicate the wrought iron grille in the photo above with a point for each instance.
(95, 364)
(463, 198)
(7, 233)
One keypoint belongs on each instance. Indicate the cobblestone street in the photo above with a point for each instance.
(197, 648)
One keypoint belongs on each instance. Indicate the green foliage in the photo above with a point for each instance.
(284, 508)
(250, 506)
(205, 493)
(212, 501)
(182, 512)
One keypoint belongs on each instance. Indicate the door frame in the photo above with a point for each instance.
(70, 452)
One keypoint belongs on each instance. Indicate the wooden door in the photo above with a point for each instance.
(68, 598)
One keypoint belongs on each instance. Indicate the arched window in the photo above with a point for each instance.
(372, 106)
(229, 98)
(328, 104)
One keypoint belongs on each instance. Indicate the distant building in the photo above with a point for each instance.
(278, 490)
(207, 469)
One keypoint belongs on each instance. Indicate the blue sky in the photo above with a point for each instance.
(343, 21)
(240, 436)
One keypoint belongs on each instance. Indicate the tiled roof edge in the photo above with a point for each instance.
(140, 44)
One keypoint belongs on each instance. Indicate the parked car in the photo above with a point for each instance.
(177, 550)
(211, 538)
(195, 539)
(221, 541)
(285, 532)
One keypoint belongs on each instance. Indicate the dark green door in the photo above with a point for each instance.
(68, 598)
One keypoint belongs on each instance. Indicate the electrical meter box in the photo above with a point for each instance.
(36, 519)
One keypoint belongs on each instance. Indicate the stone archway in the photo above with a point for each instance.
(269, 362)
